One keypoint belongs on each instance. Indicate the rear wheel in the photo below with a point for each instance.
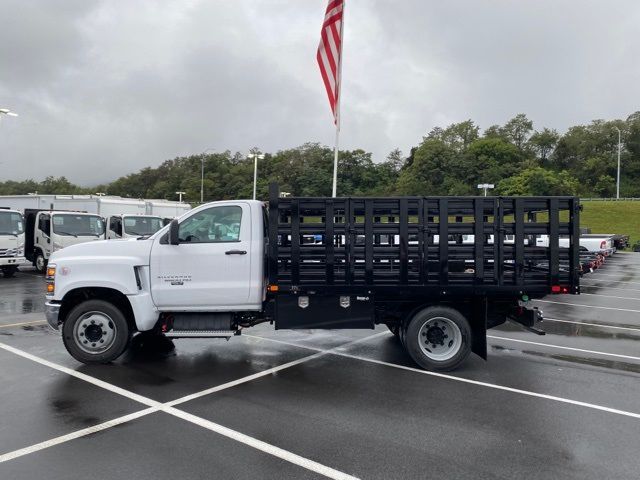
(438, 338)
(96, 331)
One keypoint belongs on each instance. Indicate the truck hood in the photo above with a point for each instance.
(9, 242)
(133, 252)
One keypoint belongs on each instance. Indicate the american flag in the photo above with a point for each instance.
(330, 53)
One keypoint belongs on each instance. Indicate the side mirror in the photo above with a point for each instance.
(174, 239)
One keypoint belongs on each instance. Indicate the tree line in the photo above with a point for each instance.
(515, 157)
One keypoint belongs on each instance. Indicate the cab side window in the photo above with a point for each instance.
(115, 225)
(44, 224)
(213, 225)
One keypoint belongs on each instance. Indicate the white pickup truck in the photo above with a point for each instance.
(11, 242)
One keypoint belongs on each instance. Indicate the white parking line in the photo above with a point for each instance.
(621, 274)
(78, 434)
(94, 381)
(260, 445)
(255, 376)
(609, 296)
(590, 324)
(35, 322)
(594, 352)
(589, 306)
(169, 409)
(611, 281)
(554, 398)
(582, 285)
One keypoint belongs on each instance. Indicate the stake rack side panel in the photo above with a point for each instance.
(415, 244)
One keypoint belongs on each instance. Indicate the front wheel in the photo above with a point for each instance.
(96, 331)
(40, 262)
(438, 338)
(9, 272)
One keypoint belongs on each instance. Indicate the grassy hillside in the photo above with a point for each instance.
(612, 217)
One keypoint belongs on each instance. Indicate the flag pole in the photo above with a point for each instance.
(336, 148)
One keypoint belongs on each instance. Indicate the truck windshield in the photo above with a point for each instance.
(11, 223)
(142, 225)
(77, 225)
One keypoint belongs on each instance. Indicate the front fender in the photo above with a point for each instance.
(116, 275)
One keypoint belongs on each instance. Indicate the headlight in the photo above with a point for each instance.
(51, 279)
(20, 251)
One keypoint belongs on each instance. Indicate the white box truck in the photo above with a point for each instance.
(132, 226)
(104, 206)
(11, 241)
(48, 231)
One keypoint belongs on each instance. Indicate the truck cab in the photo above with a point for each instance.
(48, 231)
(132, 226)
(11, 241)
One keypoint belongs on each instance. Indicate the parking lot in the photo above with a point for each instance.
(336, 404)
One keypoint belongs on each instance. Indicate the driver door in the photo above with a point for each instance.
(211, 267)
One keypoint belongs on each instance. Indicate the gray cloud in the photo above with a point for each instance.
(105, 88)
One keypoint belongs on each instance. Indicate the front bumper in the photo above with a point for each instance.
(13, 261)
(51, 312)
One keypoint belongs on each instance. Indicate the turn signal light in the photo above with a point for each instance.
(51, 287)
(273, 288)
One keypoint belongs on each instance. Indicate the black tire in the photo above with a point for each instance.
(96, 314)
(40, 262)
(426, 337)
(9, 272)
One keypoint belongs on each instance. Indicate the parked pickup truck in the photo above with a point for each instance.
(229, 265)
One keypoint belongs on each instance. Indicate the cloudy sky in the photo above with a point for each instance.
(104, 88)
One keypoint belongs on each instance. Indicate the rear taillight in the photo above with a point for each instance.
(559, 289)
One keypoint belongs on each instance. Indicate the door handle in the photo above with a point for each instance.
(235, 252)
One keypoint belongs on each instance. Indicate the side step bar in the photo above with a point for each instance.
(201, 333)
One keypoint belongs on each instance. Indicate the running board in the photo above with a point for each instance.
(202, 333)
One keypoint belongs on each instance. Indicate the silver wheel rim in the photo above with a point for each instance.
(94, 332)
(439, 338)
(40, 263)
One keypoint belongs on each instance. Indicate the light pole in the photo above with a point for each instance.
(256, 156)
(202, 175)
(486, 186)
(618, 176)
(180, 193)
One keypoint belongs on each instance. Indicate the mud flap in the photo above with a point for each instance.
(479, 328)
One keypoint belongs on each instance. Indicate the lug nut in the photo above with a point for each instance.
(93, 344)
(81, 334)
(93, 322)
(101, 341)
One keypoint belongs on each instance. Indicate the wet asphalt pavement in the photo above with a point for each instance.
(331, 403)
